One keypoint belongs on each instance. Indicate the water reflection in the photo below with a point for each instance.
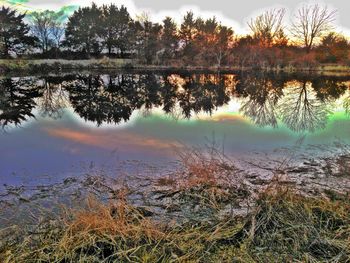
(346, 103)
(261, 94)
(300, 110)
(54, 97)
(17, 100)
(301, 103)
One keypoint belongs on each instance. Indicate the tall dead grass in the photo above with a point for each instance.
(282, 224)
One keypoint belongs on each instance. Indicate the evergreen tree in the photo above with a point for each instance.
(187, 35)
(14, 36)
(188, 28)
(83, 30)
(169, 39)
(205, 39)
(147, 41)
(116, 28)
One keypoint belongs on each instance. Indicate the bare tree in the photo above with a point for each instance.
(48, 27)
(57, 32)
(42, 23)
(267, 26)
(311, 22)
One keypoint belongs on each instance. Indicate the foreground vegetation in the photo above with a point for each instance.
(283, 227)
(208, 216)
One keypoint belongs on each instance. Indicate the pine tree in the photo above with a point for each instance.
(14, 37)
(170, 39)
(116, 28)
(83, 30)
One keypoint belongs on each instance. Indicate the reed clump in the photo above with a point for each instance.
(283, 226)
(279, 223)
(207, 186)
(291, 227)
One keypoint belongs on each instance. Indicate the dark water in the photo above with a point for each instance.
(65, 125)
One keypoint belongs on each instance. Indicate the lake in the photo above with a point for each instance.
(62, 125)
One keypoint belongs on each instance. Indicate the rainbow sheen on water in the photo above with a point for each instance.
(62, 125)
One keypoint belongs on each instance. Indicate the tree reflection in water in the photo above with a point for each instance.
(302, 103)
(53, 99)
(346, 103)
(261, 94)
(97, 102)
(300, 110)
(17, 100)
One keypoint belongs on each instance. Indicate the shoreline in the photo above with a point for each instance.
(47, 66)
(207, 204)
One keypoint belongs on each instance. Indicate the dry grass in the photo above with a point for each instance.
(209, 185)
(209, 167)
(282, 225)
(292, 227)
(95, 233)
(8, 66)
(113, 231)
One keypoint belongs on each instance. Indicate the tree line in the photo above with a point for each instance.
(109, 30)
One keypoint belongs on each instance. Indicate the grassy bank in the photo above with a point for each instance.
(56, 65)
(203, 212)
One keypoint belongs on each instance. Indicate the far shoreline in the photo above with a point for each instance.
(47, 66)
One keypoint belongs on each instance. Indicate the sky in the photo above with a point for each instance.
(232, 13)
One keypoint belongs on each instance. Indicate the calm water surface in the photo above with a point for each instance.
(65, 125)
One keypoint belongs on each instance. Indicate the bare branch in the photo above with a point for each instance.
(311, 22)
(267, 26)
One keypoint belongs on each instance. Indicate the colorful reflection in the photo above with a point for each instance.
(63, 124)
